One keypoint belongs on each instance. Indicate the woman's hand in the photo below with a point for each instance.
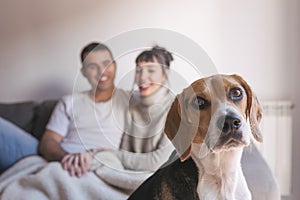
(77, 164)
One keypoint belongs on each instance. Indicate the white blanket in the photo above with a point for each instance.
(34, 178)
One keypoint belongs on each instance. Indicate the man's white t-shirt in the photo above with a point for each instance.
(85, 124)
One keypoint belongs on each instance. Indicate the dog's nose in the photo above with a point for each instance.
(228, 123)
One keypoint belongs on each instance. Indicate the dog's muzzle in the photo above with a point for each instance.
(229, 123)
(230, 127)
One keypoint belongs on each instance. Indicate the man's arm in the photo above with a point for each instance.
(50, 147)
(76, 164)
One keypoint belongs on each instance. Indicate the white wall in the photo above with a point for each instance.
(259, 39)
(292, 34)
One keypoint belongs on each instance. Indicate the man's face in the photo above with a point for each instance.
(100, 69)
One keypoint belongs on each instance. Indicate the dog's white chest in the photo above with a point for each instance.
(221, 178)
(214, 187)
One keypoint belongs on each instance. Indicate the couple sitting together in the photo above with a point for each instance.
(115, 134)
(105, 142)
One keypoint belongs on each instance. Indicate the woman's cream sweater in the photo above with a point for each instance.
(144, 145)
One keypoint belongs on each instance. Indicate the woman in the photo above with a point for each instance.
(144, 145)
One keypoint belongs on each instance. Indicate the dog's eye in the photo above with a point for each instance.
(199, 103)
(236, 94)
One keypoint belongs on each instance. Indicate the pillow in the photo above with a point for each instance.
(21, 114)
(43, 112)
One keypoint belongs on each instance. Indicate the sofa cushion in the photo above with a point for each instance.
(261, 182)
(43, 112)
(21, 114)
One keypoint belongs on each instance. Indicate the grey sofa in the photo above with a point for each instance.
(30, 116)
(33, 117)
(259, 177)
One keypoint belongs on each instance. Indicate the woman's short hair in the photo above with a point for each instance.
(160, 54)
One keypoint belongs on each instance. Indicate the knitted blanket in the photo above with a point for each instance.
(34, 178)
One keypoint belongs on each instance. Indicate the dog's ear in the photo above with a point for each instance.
(173, 120)
(176, 130)
(255, 118)
(253, 110)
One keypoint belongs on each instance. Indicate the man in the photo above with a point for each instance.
(82, 121)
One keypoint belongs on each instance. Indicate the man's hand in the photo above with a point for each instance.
(77, 164)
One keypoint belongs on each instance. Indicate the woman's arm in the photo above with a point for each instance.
(150, 161)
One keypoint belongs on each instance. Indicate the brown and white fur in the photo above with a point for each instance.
(210, 121)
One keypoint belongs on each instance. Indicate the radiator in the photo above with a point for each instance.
(276, 127)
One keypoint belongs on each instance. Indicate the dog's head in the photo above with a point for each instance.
(220, 112)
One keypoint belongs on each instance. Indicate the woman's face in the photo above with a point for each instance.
(149, 77)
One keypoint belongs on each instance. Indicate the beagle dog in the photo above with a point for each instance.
(209, 123)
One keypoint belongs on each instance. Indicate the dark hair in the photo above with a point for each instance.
(94, 46)
(161, 55)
